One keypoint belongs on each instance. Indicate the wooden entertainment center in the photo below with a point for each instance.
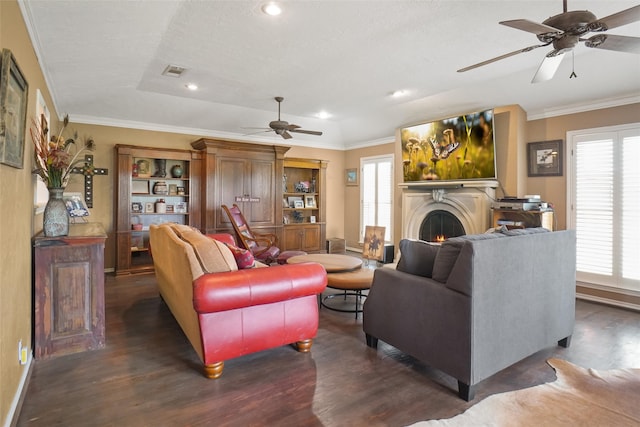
(214, 173)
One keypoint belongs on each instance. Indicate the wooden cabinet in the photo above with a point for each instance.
(69, 291)
(514, 218)
(154, 186)
(304, 210)
(248, 175)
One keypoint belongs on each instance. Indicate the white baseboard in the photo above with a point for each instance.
(19, 392)
(608, 301)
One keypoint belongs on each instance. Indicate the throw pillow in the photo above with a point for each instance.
(244, 258)
(417, 257)
(214, 256)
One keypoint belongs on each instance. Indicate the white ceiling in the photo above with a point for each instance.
(103, 62)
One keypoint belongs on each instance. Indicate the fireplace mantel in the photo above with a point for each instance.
(429, 185)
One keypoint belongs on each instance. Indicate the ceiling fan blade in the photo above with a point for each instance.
(310, 132)
(617, 19)
(547, 68)
(530, 26)
(285, 134)
(612, 42)
(498, 58)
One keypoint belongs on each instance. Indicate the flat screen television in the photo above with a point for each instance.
(458, 148)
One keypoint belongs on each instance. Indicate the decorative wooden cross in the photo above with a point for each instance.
(89, 170)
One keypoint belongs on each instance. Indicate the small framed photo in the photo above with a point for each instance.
(170, 209)
(544, 158)
(144, 167)
(181, 191)
(180, 207)
(136, 207)
(76, 206)
(173, 189)
(148, 207)
(293, 199)
(298, 204)
(140, 187)
(310, 202)
(351, 177)
(312, 219)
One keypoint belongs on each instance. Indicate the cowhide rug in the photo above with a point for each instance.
(579, 397)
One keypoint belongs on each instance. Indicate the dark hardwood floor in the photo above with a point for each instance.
(148, 374)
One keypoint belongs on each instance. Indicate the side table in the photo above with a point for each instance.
(69, 291)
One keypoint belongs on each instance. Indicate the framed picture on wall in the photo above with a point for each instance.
(351, 176)
(544, 158)
(13, 111)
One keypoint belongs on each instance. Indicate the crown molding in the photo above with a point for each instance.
(583, 107)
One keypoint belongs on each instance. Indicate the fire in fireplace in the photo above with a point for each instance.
(439, 225)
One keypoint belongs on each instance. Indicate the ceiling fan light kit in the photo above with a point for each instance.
(565, 30)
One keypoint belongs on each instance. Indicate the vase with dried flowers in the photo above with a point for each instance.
(54, 160)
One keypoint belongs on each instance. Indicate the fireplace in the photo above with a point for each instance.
(456, 209)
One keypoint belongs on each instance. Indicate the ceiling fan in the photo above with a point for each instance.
(283, 128)
(565, 30)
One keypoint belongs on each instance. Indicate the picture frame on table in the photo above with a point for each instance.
(140, 187)
(545, 158)
(351, 176)
(13, 111)
(76, 206)
(298, 204)
(293, 199)
(310, 202)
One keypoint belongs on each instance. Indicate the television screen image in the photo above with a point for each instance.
(457, 148)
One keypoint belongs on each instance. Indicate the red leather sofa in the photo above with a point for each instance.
(226, 312)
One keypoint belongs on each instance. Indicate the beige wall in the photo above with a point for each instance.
(16, 213)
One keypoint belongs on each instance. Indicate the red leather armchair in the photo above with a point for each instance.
(233, 313)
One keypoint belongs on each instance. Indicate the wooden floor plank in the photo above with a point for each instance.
(148, 374)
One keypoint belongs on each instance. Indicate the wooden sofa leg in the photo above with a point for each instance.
(371, 341)
(466, 391)
(565, 342)
(213, 370)
(304, 346)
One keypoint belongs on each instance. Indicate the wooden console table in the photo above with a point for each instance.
(69, 291)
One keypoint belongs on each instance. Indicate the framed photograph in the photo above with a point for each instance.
(13, 111)
(545, 158)
(173, 189)
(310, 202)
(76, 205)
(351, 177)
(180, 207)
(293, 199)
(144, 167)
(140, 187)
(312, 219)
(148, 207)
(373, 247)
(136, 207)
(180, 191)
(298, 204)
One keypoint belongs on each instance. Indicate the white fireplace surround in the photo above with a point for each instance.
(470, 202)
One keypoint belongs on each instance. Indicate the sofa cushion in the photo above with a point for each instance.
(449, 251)
(244, 258)
(417, 257)
(214, 256)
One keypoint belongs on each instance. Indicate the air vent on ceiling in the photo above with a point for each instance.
(173, 71)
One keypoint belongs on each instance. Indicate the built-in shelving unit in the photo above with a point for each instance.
(154, 186)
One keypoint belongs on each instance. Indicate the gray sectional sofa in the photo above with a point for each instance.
(478, 303)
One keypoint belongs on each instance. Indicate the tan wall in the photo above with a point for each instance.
(351, 210)
(16, 213)
(553, 189)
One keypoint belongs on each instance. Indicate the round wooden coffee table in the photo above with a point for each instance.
(352, 283)
(332, 263)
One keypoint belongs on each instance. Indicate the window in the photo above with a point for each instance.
(376, 194)
(604, 196)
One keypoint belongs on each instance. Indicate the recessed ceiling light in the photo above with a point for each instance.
(192, 86)
(399, 93)
(272, 9)
(323, 115)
